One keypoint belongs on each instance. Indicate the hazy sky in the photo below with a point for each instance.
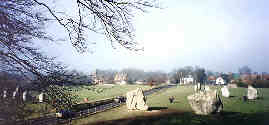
(220, 35)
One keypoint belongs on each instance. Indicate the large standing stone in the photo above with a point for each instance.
(5, 94)
(197, 87)
(225, 91)
(204, 103)
(41, 97)
(14, 94)
(207, 88)
(232, 85)
(136, 100)
(24, 94)
(252, 93)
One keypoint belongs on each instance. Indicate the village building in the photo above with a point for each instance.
(211, 80)
(95, 79)
(188, 80)
(140, 82)
(220, 81)
(121, 78)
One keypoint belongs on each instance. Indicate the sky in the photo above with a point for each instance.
(219, 35)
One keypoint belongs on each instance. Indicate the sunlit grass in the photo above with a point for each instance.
(235, 111)
(94, 93)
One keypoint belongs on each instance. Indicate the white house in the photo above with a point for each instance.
(220, 81)
(139, 82)
(188, 79)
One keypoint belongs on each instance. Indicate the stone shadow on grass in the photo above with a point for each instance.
(157, 108)
(189, 118)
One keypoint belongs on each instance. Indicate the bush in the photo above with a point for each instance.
(61, 98)
(242, 84)
(256, 84)
(261, 84)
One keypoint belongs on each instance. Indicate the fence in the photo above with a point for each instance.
(93, 108)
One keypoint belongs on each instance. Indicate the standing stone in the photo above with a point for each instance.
(14, 94)
(197, 87)
(252, 92)
(136, 100)
(207, 88)
(204, 103)
(225, 91)
(17, 89)
(5, 94)
(24, 94)
(232, 86)
(41, 97)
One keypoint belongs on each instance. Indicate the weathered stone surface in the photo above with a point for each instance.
(207, 88)
(197, 87)
(5, 94)
(136, 100)
(204, 103)
(225, 91)
(14, 94)
(252, 93)
(232, 85)
(40, 97)
(24, 95)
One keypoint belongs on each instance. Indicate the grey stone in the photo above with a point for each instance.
(41, 97)
(24, 94)
(197, 87)
(5, 94)
(207, 88)
(136, 100)
(205, 102)
(252, 93)
(14, 94)
(225, 91)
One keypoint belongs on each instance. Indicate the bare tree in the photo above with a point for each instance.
(20, 27)
(112, 18)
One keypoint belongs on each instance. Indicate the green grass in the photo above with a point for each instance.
(235, 111)
(94, 93)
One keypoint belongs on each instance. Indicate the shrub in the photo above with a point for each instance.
(261, 84)
(255, 83)
(242, 84)
(61, 98)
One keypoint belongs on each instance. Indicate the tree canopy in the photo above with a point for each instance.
(22, 25)
(244, 70)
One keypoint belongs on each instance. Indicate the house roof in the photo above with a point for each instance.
(236, 76)
(211, 78)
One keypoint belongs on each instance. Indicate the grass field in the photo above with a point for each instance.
(235, 112)
(94, 93)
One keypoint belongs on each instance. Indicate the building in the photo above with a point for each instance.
(95, 79)
(140, 82)
(121, 78)
(220, 81)
(188, 80)
(211, 80)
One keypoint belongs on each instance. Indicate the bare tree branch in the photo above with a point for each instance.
(113, 18)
